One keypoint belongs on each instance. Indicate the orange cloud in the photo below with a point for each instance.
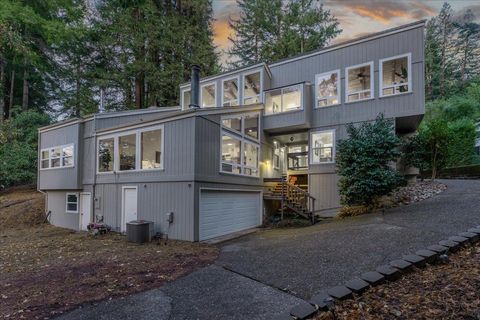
(221, 31)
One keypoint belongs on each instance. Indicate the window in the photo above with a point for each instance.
(151, 149)
(395, 75)
(252, 88)
(230, 92)
(276, 155)
(140, 149)
(239, 145)
(127, 149)
(208, 92)
(283, 100)
(322, 147)
(186, 99)
(327, 88)
(57, 157)
(72, 203)
(359, 80)
(106, 152)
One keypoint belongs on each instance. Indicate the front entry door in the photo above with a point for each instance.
(85, 210)
(129, 206)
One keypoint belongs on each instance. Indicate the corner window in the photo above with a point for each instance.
(106, 151)
(234, 123)
(186, 99)
(359, 82)
(322, 146)
(283, 99)
(327, 89)
(252, 88)
(251, 126)
(250, 160)
(72, 203)
(208, 92)
(127, 149)
(395, 75)
(231, 150)
(151, 149)
(230, 92)
(57, 157)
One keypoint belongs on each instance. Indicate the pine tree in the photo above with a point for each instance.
(445, 32)
(467, 44)
(432, 61)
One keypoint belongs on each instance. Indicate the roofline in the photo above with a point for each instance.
(351, 42)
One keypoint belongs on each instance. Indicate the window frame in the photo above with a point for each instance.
(408, 55)
(339, 88)
(61, 157)
(238, 91)
(276, 152)
(66, 201)
(302, 107)
(311, 148)
(260, 94)
(138, 149)
(182, 91)
(206, 84)
(372, 82)
(243, 138)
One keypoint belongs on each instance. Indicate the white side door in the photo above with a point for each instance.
(85, 210)
(129, 206)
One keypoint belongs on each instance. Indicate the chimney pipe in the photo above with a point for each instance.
(195, 87)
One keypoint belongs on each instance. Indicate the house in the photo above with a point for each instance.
(200, 170)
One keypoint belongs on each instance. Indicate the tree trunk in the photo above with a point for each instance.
(139, 92)
(25, 90)
(2, 91)
(12, 86)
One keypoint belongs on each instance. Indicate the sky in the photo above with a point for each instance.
(357, 17)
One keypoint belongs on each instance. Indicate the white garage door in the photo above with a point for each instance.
(224, 212)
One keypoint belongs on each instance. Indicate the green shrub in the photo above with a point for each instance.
(364, 162)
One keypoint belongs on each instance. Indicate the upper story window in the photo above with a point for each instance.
(208, 95)
(252, 88)
(186, 98)
(57, 157)
(395, 75)
(322, 146)
(327, 89)
(240, 144)
(359, 82)
(283, 99)
(230, 92)
(135, 150)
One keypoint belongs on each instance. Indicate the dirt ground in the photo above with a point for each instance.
(446, 291)
(45, 270)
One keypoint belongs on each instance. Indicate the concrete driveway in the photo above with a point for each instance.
(264, 274)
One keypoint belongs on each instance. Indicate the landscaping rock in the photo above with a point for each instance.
(340, 292)
(357, 285)
(460, 240)
(430, 256)
(413, 193)
(303, 311)
(401, 264)
(473, 237)
(320, 300)
(373, 277)
(438, 248)
(388, 271)
(418, 261)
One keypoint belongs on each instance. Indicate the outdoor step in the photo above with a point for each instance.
(373, 277)
(416, 260)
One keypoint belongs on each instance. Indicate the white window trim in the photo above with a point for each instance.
(372, 82)
(182, 91)
(409, 70)
(201, 94)
(61, 157)
(339, 89)
(138, 150)
(301, 85)
(243, 138)
(260, 95)
(66, 201)
(238, 90)
(275, 148)
(310, 147)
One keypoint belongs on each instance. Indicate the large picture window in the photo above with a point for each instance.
(106, 152)
(327, 89)
(57, 157)
(151, 149)
(240, 144)
(230, 92)
(208, 93)
(127, 148)
(395, 75)
(283, 100)
(252, 88)
(359, 82)
(322, 147)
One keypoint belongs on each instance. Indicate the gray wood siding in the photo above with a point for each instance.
(324, 188)
(111, 121)
(56, 203)
(61, 178)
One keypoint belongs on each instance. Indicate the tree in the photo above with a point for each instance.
(432, 61)
(364, 162)
(467, 46)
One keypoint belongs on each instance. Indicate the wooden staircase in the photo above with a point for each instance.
(293, 199)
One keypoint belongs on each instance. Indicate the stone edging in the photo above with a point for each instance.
(391, 272)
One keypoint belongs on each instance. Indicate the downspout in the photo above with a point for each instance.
(38, 170)
(94, 197)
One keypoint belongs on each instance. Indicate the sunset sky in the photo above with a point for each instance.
(356, 17)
